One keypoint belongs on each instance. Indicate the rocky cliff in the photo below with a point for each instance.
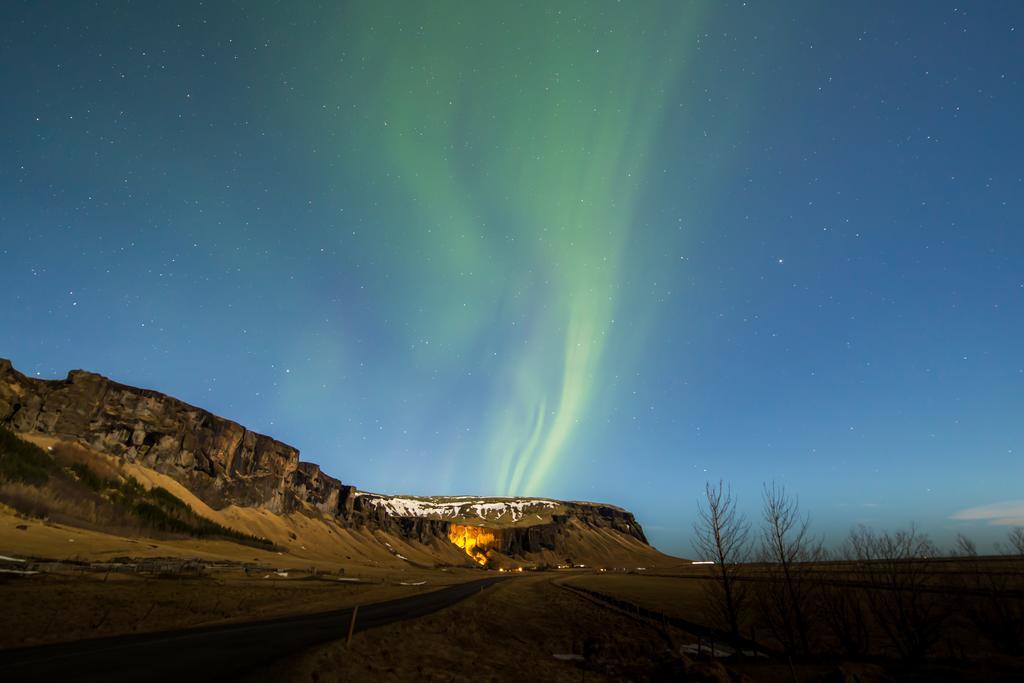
(510, 526)
(223, 463)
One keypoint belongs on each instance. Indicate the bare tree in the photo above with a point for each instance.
(990, 602)
(841, 607)
(1015, 537)
(721, 535)
(965, 547)
(895, 569)
(787, 547)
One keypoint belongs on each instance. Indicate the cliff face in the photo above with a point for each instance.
(219, 460)
(524, 541)
(223, 463)
(514, 527)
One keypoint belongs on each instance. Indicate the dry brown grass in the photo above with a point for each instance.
(66, 454)
(64, 502)
(62, 499)
(67, 607)
(508, 632)
(675, 597)
(961, 587)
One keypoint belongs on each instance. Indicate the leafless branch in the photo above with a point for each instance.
(721, 534)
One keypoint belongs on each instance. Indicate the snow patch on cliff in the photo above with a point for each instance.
(451, 508)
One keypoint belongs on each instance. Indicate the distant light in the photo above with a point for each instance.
(703, 562)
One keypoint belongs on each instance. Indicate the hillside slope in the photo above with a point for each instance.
(257, 486)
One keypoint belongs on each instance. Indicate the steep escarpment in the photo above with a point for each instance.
(492, 530)
(499, 511)
(221, 461)
(227, 466)
(565, 541)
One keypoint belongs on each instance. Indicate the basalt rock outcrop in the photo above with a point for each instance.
(220, 461)
(223, 463)
(502, 525)
(510, 540)
(530, 539)
(481, 542)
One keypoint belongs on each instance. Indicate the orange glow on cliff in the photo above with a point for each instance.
(475, 540)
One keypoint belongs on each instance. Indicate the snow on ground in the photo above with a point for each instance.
(462, 506)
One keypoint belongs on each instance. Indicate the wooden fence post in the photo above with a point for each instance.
(352, 625)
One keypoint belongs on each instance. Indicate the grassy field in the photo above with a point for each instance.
(530, 629)
(953, 604)
(69, 605)
(677, 597)
(526, 629)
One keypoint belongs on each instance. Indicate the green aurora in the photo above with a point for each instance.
(520, 140)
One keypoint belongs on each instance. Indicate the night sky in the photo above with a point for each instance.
(593, 250)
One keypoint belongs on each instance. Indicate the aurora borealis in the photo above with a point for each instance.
(519, 137)
(590, 250)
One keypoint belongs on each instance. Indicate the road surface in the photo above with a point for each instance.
(219, 653)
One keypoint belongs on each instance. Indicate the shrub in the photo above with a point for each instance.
(88, 477)
(167, 499)
(22, 461)
(155, 516)
(162, 510)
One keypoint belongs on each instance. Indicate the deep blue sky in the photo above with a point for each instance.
(586, 250)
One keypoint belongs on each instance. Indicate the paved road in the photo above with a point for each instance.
(213, 653)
